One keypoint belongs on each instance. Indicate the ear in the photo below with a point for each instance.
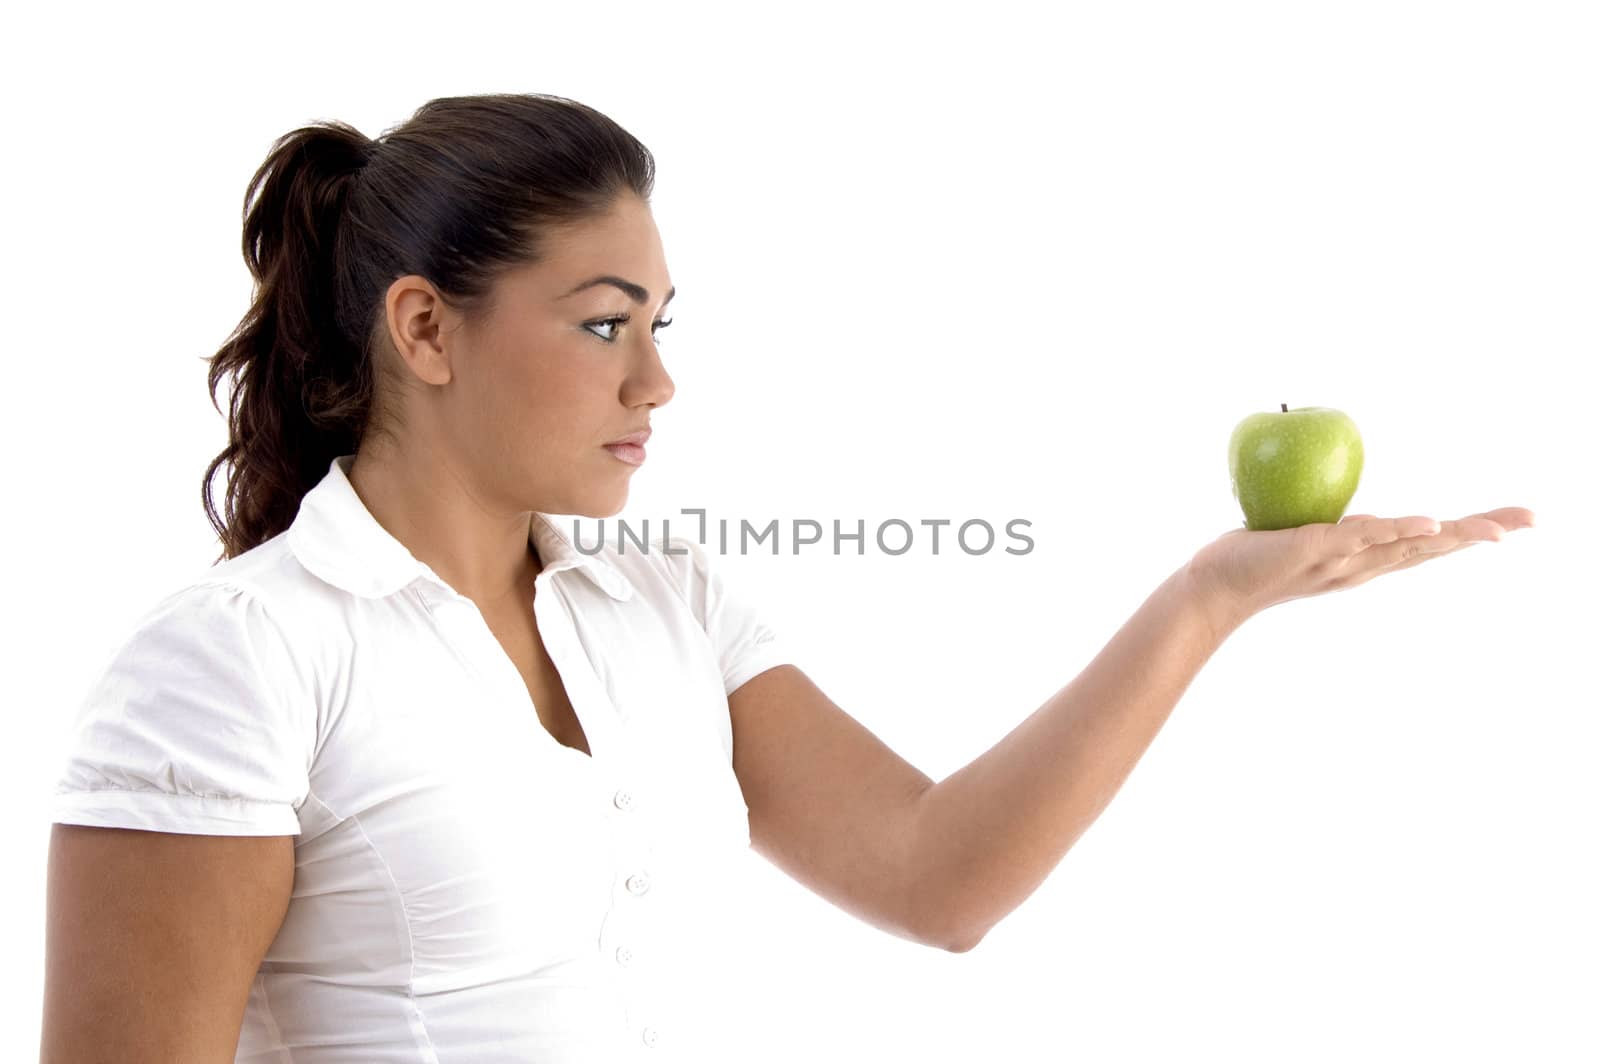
(419, 319)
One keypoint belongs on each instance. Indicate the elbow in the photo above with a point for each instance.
(934, 906)
(933, 900)
(963, 944)
(952, 937)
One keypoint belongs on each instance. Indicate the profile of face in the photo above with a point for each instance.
(522, 400)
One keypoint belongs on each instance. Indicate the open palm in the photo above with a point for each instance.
(1249, 571)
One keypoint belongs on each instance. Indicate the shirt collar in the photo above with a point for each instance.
(336, 537)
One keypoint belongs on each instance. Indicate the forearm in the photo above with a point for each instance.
(988, 834)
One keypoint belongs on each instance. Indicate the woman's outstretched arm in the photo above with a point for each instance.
(942, 863)
(988, 834)
(846, 816)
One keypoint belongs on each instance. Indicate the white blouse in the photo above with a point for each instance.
(467, 889)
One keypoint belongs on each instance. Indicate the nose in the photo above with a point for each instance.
(649, 382)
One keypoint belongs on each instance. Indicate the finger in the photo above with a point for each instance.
(1477, 527)
(1491, 524)
(1369, 532)
(1430, 555)
(1404, 551)
(1509, 518)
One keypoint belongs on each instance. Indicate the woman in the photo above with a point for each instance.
(311, 813)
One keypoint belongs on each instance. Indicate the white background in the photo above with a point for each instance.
(990, 262)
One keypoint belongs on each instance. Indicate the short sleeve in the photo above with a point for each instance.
(745, 643)
(193, 726)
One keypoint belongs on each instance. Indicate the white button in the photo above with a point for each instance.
(624, 955)
(622, 800)
(649, 1035)
(638, 883)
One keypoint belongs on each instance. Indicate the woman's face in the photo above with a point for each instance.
(525, 398)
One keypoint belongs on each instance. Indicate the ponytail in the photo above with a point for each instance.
(466, 188)
(303, 383)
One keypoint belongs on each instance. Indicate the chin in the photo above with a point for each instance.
(607, 504)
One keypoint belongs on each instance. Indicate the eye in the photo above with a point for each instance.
(619, 319)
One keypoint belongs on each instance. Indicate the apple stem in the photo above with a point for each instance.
(1285, 407)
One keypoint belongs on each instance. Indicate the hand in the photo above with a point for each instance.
(1241, 573)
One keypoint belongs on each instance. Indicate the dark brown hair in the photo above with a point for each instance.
(466, 188)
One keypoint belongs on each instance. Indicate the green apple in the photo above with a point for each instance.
(1294, 467)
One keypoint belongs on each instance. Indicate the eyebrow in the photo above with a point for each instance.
(635, 292)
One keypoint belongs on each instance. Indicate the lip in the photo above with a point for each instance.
(631, 453)
(634, 437)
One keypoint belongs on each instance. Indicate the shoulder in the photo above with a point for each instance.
(211, 630)
(310, 616)
(672, 566)
(195, 723)
(255, 618)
